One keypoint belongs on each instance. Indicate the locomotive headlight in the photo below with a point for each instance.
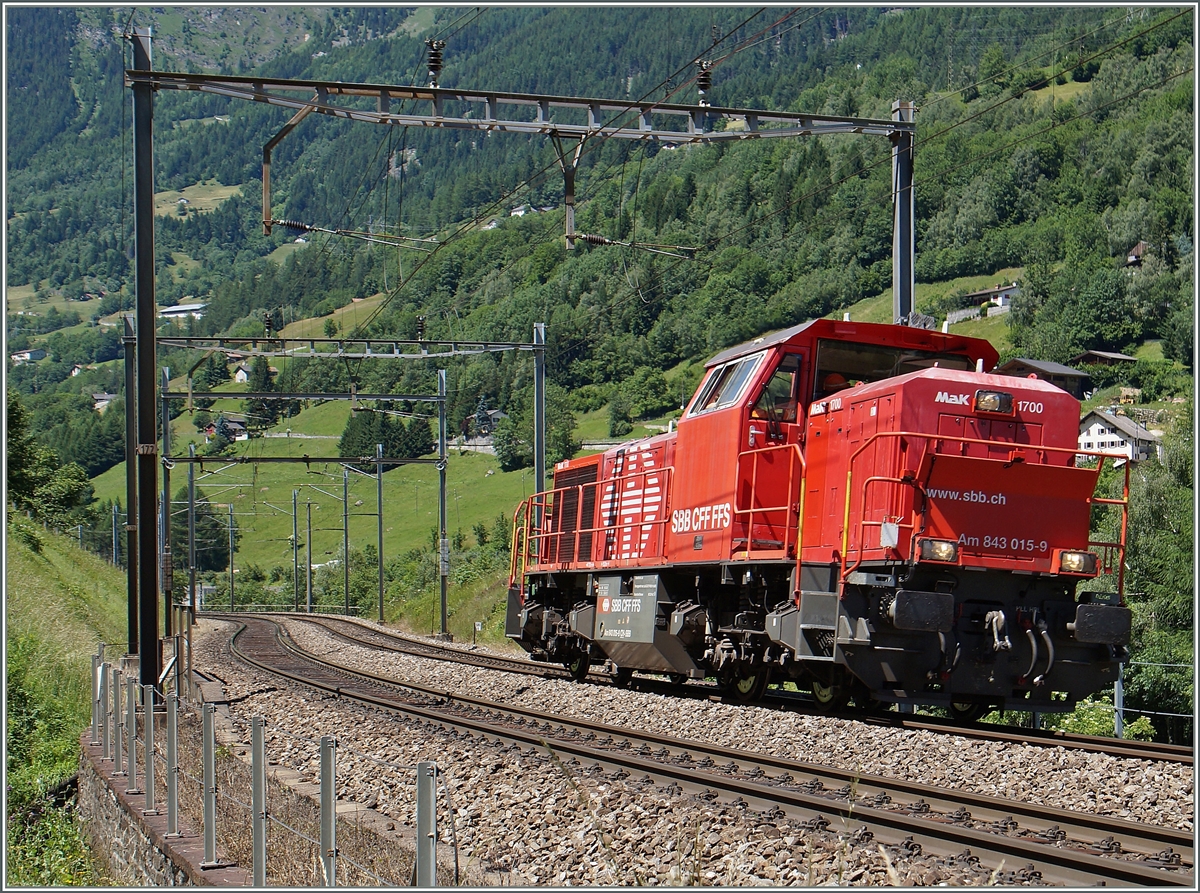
(939, 550)
(993, 401)
(1077, 563)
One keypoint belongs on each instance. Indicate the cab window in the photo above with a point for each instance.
(843, 364)
(778, 399)
(725, 384)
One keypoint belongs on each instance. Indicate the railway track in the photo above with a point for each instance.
(1061, 846)
(372, 637)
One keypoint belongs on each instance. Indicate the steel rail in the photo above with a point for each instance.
(1058, 863)
(1117, 747)
(992, 807)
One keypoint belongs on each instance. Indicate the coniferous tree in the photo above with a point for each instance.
(261, 413)
(212, 535)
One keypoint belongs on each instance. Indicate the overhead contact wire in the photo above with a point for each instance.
(529, 181)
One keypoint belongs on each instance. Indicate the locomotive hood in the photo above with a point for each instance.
(1039, 412)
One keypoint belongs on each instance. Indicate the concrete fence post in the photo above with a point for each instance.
(426, 845)
(148, 711)
(210, 789)
(118, 723)
(1119, 703)
(328, 807)
(191, 680)
(105, 734)
(131, 733)
(258, 799)
(173, 765)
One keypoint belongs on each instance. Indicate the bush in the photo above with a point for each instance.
(1033, 79)
(618, 417)
(24, 532)
(1094, 715)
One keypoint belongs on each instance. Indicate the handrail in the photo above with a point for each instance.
(863, 523)
(516, 566)
(797, 456)
(1038, 449)
(549, 500)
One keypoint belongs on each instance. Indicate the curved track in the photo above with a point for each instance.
(369, 636)
(1063, 847)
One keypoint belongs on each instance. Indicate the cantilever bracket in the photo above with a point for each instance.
(266, 156)
(568, 169)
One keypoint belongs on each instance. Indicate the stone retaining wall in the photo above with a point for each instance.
(133, 847)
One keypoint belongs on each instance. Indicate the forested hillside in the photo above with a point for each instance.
(1054, 141)
(1066, 142)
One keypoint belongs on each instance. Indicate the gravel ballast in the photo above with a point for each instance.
(552, 824)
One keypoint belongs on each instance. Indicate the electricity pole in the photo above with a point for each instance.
(147, 460)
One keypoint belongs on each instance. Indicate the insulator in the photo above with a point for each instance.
(592, 239)
(292, 224)
(704, 77)
(435, 48)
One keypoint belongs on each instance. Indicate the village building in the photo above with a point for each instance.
(1117, 435)
(1073, 381)
(27, 356)
(1101, 358)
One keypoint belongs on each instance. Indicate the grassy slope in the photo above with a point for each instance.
(201, 197)
(68, 599)
(58, 605)
(262, 493)
(995, 330)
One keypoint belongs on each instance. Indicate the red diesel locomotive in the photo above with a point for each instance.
(855, 507)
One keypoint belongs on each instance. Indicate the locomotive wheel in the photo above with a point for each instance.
(623, 678)
(677, 678)
(747, 689)
(968, 711)
(578, 667)
(830, 697)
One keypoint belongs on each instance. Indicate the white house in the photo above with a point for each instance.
(28, 356)
(1116, 435)
(100, 401)
(241, 374)
(1000, 295)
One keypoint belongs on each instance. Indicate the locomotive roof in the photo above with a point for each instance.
(877, 333)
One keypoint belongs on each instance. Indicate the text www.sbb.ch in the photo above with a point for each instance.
(969, 496)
